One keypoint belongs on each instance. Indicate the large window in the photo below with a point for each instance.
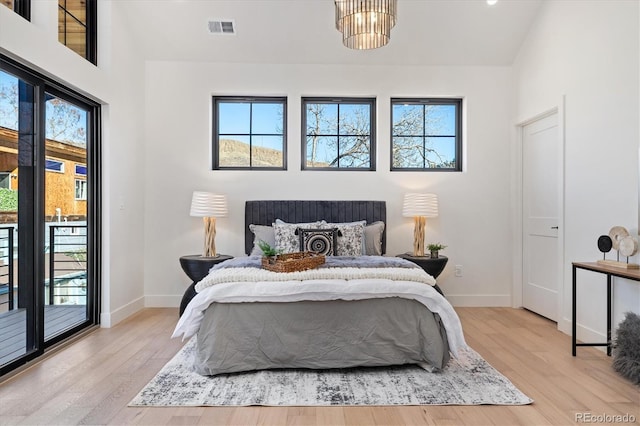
(338, 133)
(77, 26)
(426, 134)
(21, 7)
(249, 133)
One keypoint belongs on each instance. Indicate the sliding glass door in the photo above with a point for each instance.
(17, 298)
(65, 215)
(49, 222)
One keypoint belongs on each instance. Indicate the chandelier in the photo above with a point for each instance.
(365, 24)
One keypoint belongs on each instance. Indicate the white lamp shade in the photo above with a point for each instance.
(206, 204)
(420, 205)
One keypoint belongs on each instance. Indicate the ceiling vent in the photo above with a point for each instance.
(226, 27)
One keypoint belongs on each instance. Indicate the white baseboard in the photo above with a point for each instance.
(564, 325)
(173, 301)
(583, 334)
(479, 300)
(162, 301)
(109, 319)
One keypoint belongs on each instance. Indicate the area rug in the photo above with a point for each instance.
(467, 380)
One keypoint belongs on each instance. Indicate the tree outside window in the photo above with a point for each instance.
(426, 134)
(338, 134)
(249, 133)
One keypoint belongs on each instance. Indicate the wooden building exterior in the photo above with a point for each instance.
(65, 177)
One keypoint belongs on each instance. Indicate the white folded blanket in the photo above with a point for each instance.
(255, 275)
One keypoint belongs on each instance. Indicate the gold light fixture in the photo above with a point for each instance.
(365, 24)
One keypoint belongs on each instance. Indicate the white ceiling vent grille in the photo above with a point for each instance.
(222, 26)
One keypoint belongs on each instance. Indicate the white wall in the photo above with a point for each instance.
(117, 84)
(588, 51)
(474, 205)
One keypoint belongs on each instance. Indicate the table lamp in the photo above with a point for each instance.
(209, 206)
(420, 207)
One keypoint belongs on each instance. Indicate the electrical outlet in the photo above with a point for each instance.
(458, 271)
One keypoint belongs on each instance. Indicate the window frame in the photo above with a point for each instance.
(457, 102)
(22, 8)
(31, 203)
(60, 169)
(215, 143)
(371, 101)
(80, 173)
(91, 29)
(83, 189)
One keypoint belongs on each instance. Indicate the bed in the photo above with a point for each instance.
(358, 309)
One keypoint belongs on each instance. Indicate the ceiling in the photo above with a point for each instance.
(428, 32)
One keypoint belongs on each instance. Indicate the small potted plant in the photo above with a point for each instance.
(268, 251)
(434, 248)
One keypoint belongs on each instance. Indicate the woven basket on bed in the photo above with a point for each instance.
(292, 262)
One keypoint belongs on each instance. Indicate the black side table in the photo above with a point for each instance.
(432, 266)
(197, 267)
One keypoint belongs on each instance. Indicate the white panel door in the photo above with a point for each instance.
(541, 186)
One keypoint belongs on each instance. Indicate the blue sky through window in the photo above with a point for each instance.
(65, 122)
(264, 121)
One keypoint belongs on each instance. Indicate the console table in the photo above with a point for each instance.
(609, 271)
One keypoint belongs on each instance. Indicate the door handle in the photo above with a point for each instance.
(554, 227)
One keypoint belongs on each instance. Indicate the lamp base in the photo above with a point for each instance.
(210, 237)
(418, 235)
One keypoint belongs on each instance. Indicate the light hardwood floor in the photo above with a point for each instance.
(92, 381)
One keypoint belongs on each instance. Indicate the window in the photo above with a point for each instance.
(249, 133)
(54, 166)
(81, 169)
(426, 134)
(338, 134)
(21, 7)
(81, 189)
(77, 27)
(5, 180)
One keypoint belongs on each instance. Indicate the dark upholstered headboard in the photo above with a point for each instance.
(298, 211)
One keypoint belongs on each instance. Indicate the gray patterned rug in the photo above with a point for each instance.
(468, 380)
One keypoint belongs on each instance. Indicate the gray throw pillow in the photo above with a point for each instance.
(261, 233)
(373, 238)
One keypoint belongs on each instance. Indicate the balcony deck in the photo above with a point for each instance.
(13, 327)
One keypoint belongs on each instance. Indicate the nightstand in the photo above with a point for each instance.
(197, 267)
(432, 266)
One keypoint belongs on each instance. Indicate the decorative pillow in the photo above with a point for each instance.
(261, 233)
(323, 241)
(350, 237)
(373, 238)
(286, 239)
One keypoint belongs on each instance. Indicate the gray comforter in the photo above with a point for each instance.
(235, 337)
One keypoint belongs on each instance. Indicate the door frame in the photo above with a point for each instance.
(33, 247)
(518, 203)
